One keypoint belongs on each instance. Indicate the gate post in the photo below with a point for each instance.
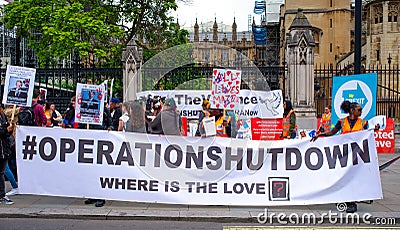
(300, 53)
(132, 58)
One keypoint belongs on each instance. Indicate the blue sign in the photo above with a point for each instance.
(359, 88)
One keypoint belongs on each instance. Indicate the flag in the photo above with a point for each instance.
(260, 35)
(259, 7)
(111, 88)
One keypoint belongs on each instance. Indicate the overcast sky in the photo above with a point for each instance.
(223, 10)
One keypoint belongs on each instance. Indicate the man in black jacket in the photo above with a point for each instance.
(116, 112)
(106, 125)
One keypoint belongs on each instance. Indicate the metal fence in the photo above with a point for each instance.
(388, 94)
(194, 77)
(60, 83)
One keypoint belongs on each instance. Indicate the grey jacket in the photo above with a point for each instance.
(167, 122)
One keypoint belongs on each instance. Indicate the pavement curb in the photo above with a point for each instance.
(109, 214)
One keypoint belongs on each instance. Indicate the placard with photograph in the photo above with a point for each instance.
(18, 86)
(89, 104)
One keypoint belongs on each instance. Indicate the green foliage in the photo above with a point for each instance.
(55, 28)
(171, 37)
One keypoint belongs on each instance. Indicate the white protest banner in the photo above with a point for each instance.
(18, 86)
(225, 88)
(191, 170)
(89, 104)
(262, 104)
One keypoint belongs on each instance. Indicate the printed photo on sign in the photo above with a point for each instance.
(18, 88)
(89, 104)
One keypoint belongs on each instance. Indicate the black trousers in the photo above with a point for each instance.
(3, 163)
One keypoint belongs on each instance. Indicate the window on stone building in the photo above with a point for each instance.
(330, 47)
(378, 58)
(331, 3)
(392, 17)
(316, 34)
(378, 13)
(330, 23)
(393, 11)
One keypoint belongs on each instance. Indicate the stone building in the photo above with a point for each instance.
(242, 41)
(383, 31)
(331, 22)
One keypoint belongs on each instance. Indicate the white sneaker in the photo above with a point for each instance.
(5, 200)
(13, 192)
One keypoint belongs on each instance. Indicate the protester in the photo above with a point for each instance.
(325, 121)
(351, 123)
(221, 122)
(231, 128)
(289, 121)
(106, 125)
(136, 122)
(12, 162)
(14, 184)
(38, 110)
(126, 106)
(168, 121)
(6, 130)
(69, 118)
(205, 113)
(57, 118)
(49, 114)
(116, 112)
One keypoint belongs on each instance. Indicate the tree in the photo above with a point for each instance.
(55, 28)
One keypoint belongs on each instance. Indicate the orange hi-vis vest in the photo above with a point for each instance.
(326, 122)
(48, 117)
(206, 115)
(358, 126)
(286, 124)
(219, 126)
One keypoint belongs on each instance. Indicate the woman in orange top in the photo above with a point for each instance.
(289, 127)
(49, 114)
(349, 124)
(326, 120)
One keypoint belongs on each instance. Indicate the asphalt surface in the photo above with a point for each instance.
(385, 212)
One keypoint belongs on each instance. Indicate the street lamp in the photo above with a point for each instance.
(389, 60)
